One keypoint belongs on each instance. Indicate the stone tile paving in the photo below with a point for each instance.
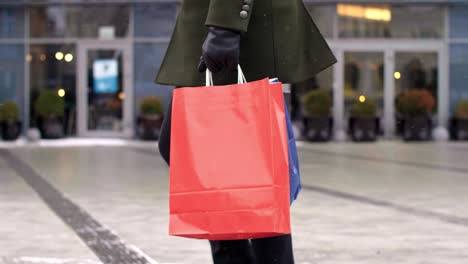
(126, 190)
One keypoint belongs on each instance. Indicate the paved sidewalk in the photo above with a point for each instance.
(29, 228)
(386, 202)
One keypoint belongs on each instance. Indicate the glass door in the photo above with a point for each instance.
(364, 79)
(104, 91)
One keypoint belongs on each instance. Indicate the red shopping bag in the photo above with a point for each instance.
(229, 162)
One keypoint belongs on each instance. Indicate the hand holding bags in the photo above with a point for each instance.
(229, 162)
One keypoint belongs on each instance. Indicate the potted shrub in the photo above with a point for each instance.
(459, 123)
(10, 120)
(364, 123)
(415, 108)
(50, 108)
(317, 119)
(150, 119)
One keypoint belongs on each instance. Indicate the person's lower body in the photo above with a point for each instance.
(232, 252)
(164, 142)
(272, 250)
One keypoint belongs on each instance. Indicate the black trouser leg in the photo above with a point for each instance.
(273, 250)
(165, 135)
(232, 252)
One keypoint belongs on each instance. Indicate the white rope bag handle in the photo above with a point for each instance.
(240, 77)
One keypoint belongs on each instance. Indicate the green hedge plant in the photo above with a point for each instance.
(365, 109)
(151, 105)
(461, 111)
(49, 104)
(9, 111)
(317, 103)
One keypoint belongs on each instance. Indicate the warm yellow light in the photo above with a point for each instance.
(378, 14)
(362, 98)
(61, 92)
(121, 95)
(59, 55)
(350, 10)
(42, 57)
(68, 57)
(397, 75)
(29, 57)
(370, 13)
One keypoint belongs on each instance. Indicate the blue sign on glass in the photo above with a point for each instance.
(105, 76)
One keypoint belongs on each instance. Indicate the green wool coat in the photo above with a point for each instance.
(279, 39)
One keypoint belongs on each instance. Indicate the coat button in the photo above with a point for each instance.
(246, 8)
(244, 14)
(248, 2)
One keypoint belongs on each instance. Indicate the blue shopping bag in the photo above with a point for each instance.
(294, 173)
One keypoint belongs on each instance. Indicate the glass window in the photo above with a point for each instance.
(364, 79)
(323, 17)
(12, 73)
(416, 70)
(11, 22)
(79, 21)
(53, 67)
(383, 21)
(148, 58)
(458, 22)
(458, 73)
(155, 20)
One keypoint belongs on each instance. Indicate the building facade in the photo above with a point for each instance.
(102, 57)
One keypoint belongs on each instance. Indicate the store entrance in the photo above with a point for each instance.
(380, 71)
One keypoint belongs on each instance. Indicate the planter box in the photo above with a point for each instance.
(318, 129)
(51, 128)
(364, 129)
(149, 126)
(417, 128)
(10, 130)
(459, 129)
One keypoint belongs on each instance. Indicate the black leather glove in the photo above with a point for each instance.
(220, 50)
